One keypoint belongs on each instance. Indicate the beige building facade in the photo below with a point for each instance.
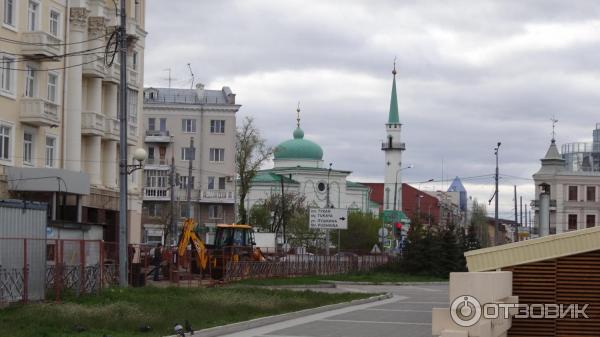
(171, 118)
(59, 124)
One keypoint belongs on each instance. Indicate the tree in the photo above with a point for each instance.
(479, 222)
(362, 232)
(251, 153)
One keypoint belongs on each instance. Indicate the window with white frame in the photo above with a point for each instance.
(221, 183)
(215, 212)
(28, 148)
(188, 153)
(217, 155)
(188, 125)
(50, 151)
(211, 183)
(151, 124)
(217, 126)
(132, 105)
(162, 124)
(134, 60)
(7, 75)
(10, 13)
(30, 81)
(156, 178)
(5, 142)
(33, 16)
(52, 84)
(54, 23)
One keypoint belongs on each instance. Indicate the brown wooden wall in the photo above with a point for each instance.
(566, 280)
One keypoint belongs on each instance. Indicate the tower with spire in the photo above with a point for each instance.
(393, 147)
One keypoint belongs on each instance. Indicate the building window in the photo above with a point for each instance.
(221, 183)
(572, 193)
(50, 151)
(7, 75)
(215, 212)
(163, 124)
(10, 12)
(134, 60)
(211, 183)
(52, 83)
(572, 222)
(32, 16)
(151, 153)
(54, 23)
(153, 210)
(188, 125)
(151, 124)
(183, 182)
(30, 82)
(28, 148)
(188, 153)
(591, 193)
(156, 178)
(184, 211)
(132, 105)
(590, 220)
(217, 126)
(217, 155)
(5, 145)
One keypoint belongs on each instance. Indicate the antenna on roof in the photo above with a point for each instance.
(191, 73)
(170, 79)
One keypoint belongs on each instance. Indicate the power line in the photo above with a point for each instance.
(24, 57)
(17, 42)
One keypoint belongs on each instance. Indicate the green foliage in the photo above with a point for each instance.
(120, 312)
(479, 223)
(361, 233)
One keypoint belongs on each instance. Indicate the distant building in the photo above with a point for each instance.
(171, 118)
(567, 187)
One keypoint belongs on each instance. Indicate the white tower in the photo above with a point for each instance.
(393, 147)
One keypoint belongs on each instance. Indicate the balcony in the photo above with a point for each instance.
(536, 204)
(112, 129)
(157, 136)
(93, 66)
(41, 45)
(92, 124)
(133, 78)
(38, 112)
(217, 196)
(132, 134)
(113, 73)
(156, 164)
(393, 146)
(157, 193)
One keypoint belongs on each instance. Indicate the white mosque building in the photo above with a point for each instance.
(299, 163)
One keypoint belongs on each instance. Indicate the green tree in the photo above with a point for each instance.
(479, 223)
(250, 154)
(361, 233)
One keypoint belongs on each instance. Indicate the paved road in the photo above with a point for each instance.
(407, 314)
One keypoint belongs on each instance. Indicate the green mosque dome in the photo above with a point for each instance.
(298, 148)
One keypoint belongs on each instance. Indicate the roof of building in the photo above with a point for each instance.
(393, 115)
(456, 186)
(534, 250)
(353, 184)
(298, 148)
(270, 177)
(188, 96)
(553, 162)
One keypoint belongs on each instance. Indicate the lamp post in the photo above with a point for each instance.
(139, 155)
(327, 205)
(421, 196)
(396, 185)
(496, 224)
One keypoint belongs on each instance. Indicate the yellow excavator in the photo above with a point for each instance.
(233, 242)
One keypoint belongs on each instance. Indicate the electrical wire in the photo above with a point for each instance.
(23, 43)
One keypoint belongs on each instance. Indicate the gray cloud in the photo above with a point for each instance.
(471, 73)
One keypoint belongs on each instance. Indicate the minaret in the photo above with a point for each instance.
(393, 148)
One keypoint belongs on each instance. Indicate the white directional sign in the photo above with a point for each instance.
(329, 218)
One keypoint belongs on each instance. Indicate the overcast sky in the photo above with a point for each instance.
(470, 74)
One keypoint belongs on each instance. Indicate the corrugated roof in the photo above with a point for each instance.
(186, 96)
(270, 177)
(544, 248)
(355, 184)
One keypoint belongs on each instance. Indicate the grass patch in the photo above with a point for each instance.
(120, 312)
(374, 277)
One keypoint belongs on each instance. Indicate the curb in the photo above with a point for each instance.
(291, 286)
(388, 283)
(258, 322)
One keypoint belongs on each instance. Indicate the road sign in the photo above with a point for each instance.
(329, 218)
(390, 216)
(382, 232)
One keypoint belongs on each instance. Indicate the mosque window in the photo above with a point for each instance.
(321, 187)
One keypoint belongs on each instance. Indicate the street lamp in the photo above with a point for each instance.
(396, 185)
(496, 224)
(327, 206)
(139, 155)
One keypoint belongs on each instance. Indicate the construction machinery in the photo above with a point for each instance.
(233, 243)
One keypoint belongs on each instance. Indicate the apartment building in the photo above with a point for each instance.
(171, 118)
(568, 186)
(59, 132)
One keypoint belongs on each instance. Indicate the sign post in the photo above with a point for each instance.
(328, 219)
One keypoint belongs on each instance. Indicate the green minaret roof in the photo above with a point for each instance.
(393, 117)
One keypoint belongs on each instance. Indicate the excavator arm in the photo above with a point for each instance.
(189, 235)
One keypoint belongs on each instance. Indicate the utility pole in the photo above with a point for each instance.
(123, 277)
(521, 211)
(172, 185)
(516, 218)
(282, 209)
(496, 223)
(327, 206)
(191, 154)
